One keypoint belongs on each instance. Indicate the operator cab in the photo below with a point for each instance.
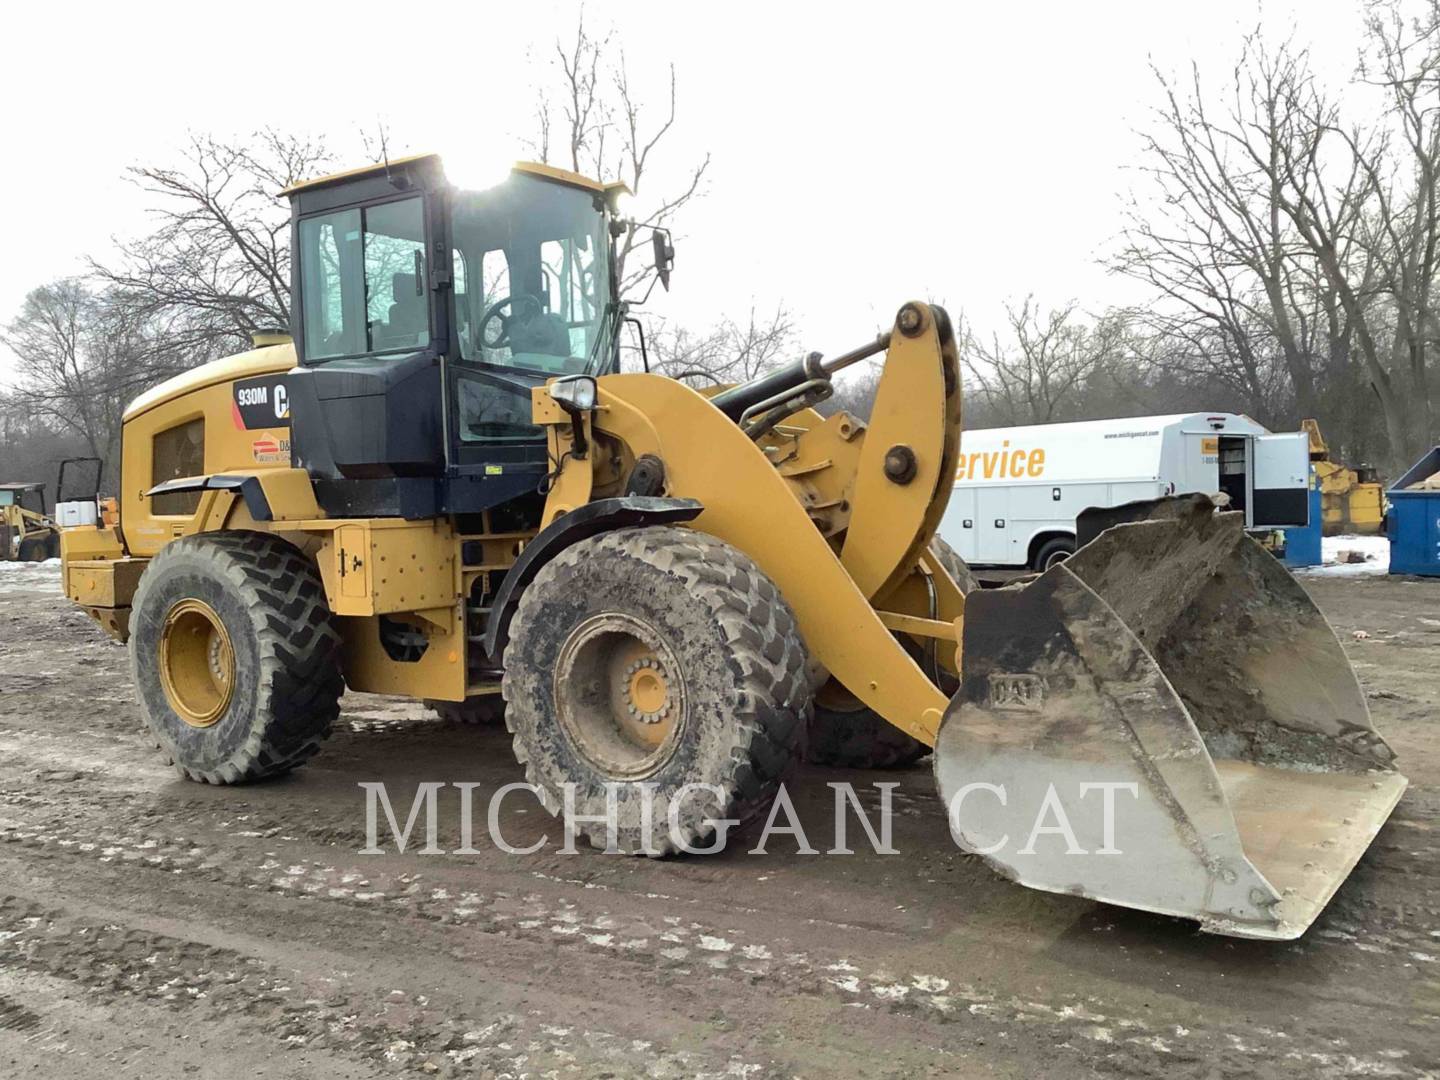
(26, 496)
(425, 314)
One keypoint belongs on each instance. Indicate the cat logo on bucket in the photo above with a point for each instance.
(1017, 691)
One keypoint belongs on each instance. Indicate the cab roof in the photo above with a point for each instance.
(533, 168)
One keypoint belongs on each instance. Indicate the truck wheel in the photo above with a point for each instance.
(1054, 551)
(848, 734)
(32, 550)
(656, 658)
(485, 710)
(235, 656)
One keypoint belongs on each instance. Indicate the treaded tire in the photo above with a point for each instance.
(482, 710)
(954, 565)
(741, 661)
(33, 550)
(288, 681)
(859, 737)
(1053, 551)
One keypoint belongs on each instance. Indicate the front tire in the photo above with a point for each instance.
(235, 656)
(656, 656)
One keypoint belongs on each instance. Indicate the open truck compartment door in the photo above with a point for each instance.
(1280, 480)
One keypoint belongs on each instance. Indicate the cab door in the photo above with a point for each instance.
(1280, 480)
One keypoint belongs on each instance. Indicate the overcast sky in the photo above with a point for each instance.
(970, 153)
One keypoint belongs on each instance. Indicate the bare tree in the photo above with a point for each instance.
(1280, 232)
(1213, 238)
(593, 122)
(81, 355)
(220, 256)
(1036, 375)
(1403, 238)
(730, 352)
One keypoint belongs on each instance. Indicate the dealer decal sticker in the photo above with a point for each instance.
(268, 451)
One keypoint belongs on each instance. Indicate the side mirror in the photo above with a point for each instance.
(664, 252)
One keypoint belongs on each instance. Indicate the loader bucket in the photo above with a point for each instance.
(1175, 671)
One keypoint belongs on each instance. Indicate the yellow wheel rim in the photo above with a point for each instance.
(619, 695)
(197, 662)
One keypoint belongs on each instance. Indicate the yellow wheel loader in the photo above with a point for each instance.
(1351, 500)
(27, 534)
(445, 487)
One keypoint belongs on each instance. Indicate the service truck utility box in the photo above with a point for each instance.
(1018, 491)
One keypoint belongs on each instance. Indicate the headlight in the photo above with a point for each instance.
(575, 393)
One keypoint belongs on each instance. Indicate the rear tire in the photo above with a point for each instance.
(656, 656)
(1054, 551)
(235, 656)
(849, 735)
(33, 550)
(482, 710)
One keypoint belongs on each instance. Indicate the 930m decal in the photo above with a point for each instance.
(261, 402)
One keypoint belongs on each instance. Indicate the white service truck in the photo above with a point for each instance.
(1019, 490)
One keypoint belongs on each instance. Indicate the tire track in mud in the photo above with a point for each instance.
(677, 948)
(404, 1034)
(16, 1017)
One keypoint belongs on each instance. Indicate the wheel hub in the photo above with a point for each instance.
(197, 662)
(619, 696)
(649, 690)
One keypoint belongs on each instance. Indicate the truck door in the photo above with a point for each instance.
(958, 526)
(992, 525)
(1280, 469)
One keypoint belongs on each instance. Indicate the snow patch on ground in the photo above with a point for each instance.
(30, 576)
(1375, 548)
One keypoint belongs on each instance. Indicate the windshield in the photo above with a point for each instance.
(532, 276)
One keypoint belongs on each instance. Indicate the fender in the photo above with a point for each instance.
(248, 487)
(270, 494)
(590, 519)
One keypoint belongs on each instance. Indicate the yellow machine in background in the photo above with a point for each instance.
(1351, 500)
(445, 487)
(27, 534)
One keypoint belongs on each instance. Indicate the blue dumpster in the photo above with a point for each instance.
(1414, 521)
(1302, 545)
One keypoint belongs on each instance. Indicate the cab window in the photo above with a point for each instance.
(364, 280)
(176, 452)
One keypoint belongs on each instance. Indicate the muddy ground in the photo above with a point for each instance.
(155, 928)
